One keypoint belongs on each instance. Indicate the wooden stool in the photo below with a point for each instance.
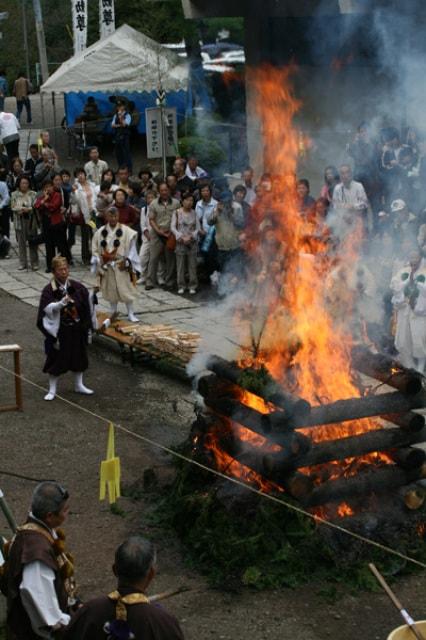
(16, 350)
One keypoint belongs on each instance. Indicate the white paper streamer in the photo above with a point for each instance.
(106, 18)
(79, 24)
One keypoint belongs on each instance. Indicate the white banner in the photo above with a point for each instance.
(79, 24)
(106, 18)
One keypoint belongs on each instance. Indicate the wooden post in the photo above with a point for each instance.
(16, 350)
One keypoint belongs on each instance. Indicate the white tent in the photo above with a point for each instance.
(127, 60)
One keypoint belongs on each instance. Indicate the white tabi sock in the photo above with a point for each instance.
(113, 307)
(53, 384)
(130, 312)
(79, 386)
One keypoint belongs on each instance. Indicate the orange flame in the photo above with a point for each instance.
(344, 510)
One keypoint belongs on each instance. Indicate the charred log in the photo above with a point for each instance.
(224, 396)
(291, 404)
(377, 481)
(350, 447)
(294, 443)
(409, 421)
(409, 457)
(357, 408)
(298, 485)
(387, 370)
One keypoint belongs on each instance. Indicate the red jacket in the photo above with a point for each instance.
(127, 215)
(51, 208)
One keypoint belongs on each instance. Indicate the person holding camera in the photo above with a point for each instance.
(121, 130)
(83, 210)
(50, 208)
(25, 222)
(46, 169)
(65, 317)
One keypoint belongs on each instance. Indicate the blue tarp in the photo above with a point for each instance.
(74, 105)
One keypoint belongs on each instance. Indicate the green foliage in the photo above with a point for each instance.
(264, 545)
(255, 380)
(209, 152)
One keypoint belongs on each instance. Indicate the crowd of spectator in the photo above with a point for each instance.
(193, 228)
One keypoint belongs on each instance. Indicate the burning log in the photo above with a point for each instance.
(293, 442)
(409, 458)
(215, 392)
(378, 481)
(292, 405)
(387, 370)
(357, 408)
(298, 485)
(409, 421)
(350, 447)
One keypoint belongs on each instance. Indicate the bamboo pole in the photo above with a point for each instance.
(395, 601)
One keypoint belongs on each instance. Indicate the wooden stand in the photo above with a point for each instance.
(16, 350)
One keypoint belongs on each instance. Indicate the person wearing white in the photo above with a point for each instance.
(145, 248)
(205, 208)
(193, 171)
(409, 301)
(95, 167)
(186, 227)
(115, 259)
(349, 198)
(248, 175)
(9, 134)
(39, 595)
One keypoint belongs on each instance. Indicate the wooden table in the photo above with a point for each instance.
(16, 350)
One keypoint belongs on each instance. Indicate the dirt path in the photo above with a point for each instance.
(55, 440)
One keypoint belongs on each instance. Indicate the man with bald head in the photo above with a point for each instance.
(127, 610)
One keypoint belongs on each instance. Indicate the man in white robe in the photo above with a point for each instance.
(116, 261)
(409, 301)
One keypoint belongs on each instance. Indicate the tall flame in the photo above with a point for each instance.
(302, 317)
(302, 296)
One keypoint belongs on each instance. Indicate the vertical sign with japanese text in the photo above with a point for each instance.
(79, 24)
(154, 135)
(106, 18)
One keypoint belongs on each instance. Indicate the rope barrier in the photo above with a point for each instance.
(235, 481)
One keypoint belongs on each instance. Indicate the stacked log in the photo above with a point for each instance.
(387, 370)
(292, 405)
(295, 466)
(164, 339)
(357, 408)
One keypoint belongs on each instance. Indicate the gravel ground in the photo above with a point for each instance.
(56, 440)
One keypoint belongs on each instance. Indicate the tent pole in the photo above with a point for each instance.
(54, 120)
(43, 121)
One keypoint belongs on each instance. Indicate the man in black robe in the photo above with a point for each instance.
(65, 318)
(126, 612)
